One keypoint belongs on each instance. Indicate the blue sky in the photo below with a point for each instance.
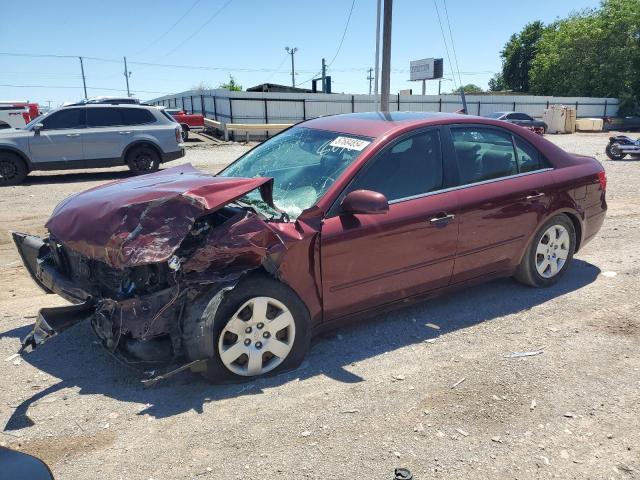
(246, 38)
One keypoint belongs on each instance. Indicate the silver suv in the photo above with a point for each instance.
(90, 136)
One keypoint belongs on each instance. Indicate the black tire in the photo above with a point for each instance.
(613, 152)
(143, 159)
(184, 133)
(256, 285)
(527, 271)
(13, 170)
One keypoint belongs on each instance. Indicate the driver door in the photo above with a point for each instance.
(61, 138)
(371, 260)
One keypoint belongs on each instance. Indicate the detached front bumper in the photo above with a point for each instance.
(134, 329)
(36, 256)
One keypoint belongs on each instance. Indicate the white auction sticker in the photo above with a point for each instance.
(349, 143)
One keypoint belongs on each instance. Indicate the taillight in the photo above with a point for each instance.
(178, 134)
(602, 178)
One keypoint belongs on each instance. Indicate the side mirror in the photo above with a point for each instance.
(364, 202)
(37, 127)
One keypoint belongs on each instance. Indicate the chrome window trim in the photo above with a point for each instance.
(468, 185)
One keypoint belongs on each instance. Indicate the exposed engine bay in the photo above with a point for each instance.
(145, 286)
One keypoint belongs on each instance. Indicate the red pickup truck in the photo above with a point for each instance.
(190, 122)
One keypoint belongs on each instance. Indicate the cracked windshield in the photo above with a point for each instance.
(303, 163)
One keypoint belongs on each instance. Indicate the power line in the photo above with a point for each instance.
(284, 59)
(206, 67)
(453, 45)
(344, 33)
(444, 39)
(170, 28)
(199, 29)
(75, 87)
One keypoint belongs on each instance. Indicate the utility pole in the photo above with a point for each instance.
(292, 51)
(377, 56)
(84, 80)
(127, 73)
(385, 84)
(324, 76)
(370, 77)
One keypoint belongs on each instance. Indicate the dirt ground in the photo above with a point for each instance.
(429, 387)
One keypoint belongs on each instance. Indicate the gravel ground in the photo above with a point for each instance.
(427, 387)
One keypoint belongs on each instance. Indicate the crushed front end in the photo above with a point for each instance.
(143, 273)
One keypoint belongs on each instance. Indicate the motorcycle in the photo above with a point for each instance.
(621, 145)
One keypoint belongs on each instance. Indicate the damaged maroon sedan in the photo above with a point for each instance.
(334, 219)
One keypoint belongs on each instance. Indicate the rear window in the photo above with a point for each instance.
(168, 116)
(104, 117)
(136, 116)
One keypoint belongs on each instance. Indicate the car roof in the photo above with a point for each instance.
(377, 124)
(109, 105)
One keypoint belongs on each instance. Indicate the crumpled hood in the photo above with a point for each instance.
(144, 219)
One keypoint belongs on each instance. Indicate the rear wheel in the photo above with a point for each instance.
(613, 152)
(261, 327)
(185, 133)
(143, 159)
(549, 254)
(13, 170)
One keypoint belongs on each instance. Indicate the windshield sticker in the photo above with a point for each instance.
(349, 143)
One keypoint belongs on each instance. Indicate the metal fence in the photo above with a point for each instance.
(259, 107)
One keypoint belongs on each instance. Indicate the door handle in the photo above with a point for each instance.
(124, 133)
(73, 134)
(442, 218)
(534, 195)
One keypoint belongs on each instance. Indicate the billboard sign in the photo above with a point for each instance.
(426, 69)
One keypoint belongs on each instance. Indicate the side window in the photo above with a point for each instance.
(411, 167)
(136, 116)
(66, 118)
(529, 159)
(519, 116)
(483, 154)
(104, 117)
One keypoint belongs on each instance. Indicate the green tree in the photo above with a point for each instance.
(469, 88)
(496, 83)
(518, 54)
(231, 85)
(592, 53)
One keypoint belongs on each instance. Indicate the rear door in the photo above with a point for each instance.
(504, 187)
(61, 138)
(106, 133)
(370, 260)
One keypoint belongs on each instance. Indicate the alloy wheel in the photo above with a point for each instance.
(257, 338)
(552, 251)
(143, 161)
(8, 170)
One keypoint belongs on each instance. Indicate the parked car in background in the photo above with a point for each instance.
(623, 124)
(188, 121)
(15, 114)
(337, 218)
(521, 119)
(89, 136)
(113, 100)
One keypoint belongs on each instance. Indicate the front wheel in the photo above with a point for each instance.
(143, 159)
(549, 254)
(13, 170)
(261, 327)
(613, 152)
